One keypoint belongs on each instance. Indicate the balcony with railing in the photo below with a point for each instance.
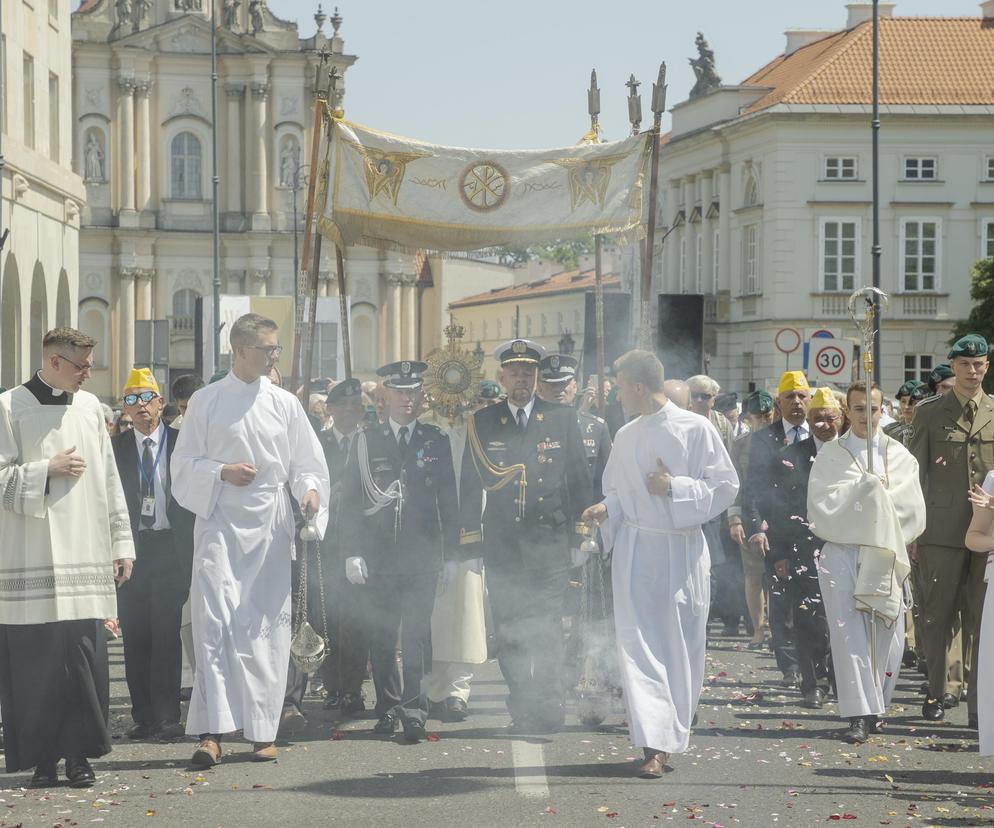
(902, 305)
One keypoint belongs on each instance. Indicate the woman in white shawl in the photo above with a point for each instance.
(980, 539)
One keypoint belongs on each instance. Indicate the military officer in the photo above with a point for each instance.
(953, 442)
(557, 384)
(909, 395)
(528, 455)
(941, 379)
(344, 671)
(399, 522)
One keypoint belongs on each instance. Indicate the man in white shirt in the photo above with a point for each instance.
(150, 605)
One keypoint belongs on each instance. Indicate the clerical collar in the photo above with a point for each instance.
(45, 394)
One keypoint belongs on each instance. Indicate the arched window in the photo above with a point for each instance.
(93, 321)
(185, 157)
(185, 302)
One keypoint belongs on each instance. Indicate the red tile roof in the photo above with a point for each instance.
(569, 281)
(923, 60)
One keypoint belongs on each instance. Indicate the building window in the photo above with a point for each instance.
(839, 254)
(699, 264)
(499, 336)
(921, 169)
(326, 349)
(917, 367)
(989, 168)
(750, 259)
(715, 260)
(185, 166)
(53, 117)
(185, 303)
(749, 370)
(29, 100)
(920, 254)
(53, 9)
(987, 239)
(839, 168)
(683, 265)
(544, 324)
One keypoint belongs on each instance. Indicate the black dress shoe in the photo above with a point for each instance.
(792, 680)
(522, 725)
(141, 731)
(813, 699)
(79, 773)
(353, 704)
(856, 734)
(453, 710)
(933, 711)
(874, 724)
(333, 701)
(949, 701)
(923, 688)
(387, 724)
(909, 659)
(46, 775)
(170, 731)
(415, 732)
(185, 693)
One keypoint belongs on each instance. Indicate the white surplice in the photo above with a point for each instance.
(661, 566)
(885, 511)
(985, 668)
(243, 543)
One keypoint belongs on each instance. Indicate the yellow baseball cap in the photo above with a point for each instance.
(793, 381)
(142, 378)
(824, 398)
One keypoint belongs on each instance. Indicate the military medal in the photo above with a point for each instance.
(540, 417)
(503, 420)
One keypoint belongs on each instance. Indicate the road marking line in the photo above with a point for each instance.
(529, 769)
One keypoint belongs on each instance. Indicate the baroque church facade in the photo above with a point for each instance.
(143, 121)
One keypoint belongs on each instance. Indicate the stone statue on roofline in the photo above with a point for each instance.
(704, 69)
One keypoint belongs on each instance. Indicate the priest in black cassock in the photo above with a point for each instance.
(65, 538)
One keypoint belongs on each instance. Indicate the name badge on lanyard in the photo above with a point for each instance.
(148, 503)
(148, 507)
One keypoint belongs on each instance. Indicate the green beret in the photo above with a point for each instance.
(906, 389)
(939, 373)
(489, 390)
(971, 345)
(920, 393)
(758, 402)
(726, 402)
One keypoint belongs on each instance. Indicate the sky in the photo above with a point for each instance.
(513, 74)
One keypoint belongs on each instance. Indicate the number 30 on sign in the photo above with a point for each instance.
(830, 361)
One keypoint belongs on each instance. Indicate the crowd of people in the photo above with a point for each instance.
(247, 541)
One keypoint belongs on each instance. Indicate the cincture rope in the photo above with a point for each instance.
(503, 475)
(380, 499)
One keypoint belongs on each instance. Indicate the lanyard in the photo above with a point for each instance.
(155, 466)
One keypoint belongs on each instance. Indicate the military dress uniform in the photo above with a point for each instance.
(402, 547)
(532, 464)
(953, 442)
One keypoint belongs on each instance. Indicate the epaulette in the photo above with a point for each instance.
(429, 426)
(933, 398)
(590, 416)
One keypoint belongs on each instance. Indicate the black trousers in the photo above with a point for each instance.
(150, 608)
(401, 604)
(810, 627)
(54, 691)
(527, 601)
(780, 609)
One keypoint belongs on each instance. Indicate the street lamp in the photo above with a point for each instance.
(567, 344)
(298, 183)
(478, 351)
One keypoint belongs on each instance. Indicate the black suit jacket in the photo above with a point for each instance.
(559, 482)
(429, 521)
(788, 530)
(765, 448)
(180, 520)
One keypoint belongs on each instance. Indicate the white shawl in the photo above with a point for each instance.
(879, 513)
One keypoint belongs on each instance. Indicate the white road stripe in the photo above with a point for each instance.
(529, 769)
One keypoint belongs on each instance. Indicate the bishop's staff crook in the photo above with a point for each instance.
(866, 323)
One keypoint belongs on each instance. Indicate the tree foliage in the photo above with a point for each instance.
(565, 253)
(981, 318)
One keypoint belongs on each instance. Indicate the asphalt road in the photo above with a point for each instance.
(756, 759)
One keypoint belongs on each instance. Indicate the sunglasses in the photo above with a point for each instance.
(145, 396)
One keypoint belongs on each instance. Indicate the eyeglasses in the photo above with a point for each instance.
(271, 350)
(80, 369)
(145, 396)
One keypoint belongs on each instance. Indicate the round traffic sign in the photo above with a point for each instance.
(831, 361)
(787, 340)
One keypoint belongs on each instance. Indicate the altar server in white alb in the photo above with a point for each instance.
(65, 536)
(980, 539)
(243, 442)
(867, 520)
(668, 475)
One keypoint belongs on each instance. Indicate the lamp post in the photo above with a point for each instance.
(215, 183)
(875, 249)
(298, 183)
(567, 344)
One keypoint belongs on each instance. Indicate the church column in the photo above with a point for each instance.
(724, 229)
(409, 323)
(671, 247)
(143, 294)
(233, 147)
(705, 230)
(260, 165)
(126, 127)
(144, 137)
(393, 318)
(125, 323)
(259, 285)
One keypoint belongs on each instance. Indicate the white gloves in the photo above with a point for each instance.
(355, 570)
(577, 557)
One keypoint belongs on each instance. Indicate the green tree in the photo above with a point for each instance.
(981, 318)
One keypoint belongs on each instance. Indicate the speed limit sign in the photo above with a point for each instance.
(830, 361)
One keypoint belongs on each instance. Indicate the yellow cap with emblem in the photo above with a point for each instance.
(142, 378)
(824, 398)
(793, 381)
